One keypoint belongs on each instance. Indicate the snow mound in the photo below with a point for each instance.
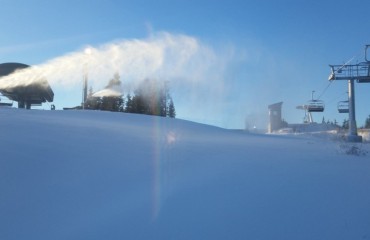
(102, 175)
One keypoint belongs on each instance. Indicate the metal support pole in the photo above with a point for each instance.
(352, 134)
(352, 114)
(21, 104)
(310, 119)
(84, 91)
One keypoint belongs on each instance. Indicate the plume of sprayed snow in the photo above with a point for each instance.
(194, 70)
(107, 92)
(163, 56)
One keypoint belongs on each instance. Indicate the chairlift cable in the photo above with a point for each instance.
(325, 89)
(317, 105)
(345, 64)
(330, 82)
(350, 60)
(339, 98)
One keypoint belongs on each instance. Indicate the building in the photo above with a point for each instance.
(275, 120)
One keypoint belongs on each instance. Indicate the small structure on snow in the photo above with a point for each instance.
(275, 121)
(28, 92)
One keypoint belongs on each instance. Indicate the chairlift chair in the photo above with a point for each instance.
(315, 106)
(343, 107)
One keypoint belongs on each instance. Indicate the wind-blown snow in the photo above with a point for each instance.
(101, 175)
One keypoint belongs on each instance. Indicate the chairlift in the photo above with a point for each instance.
(315, 106)
(343, 107)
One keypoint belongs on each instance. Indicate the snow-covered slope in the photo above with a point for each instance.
(100, 175)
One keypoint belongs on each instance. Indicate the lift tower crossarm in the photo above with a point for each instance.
(359, 72)
(352, 72)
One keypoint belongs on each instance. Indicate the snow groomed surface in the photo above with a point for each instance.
(101, 175)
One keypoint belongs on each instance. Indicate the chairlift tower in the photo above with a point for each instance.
(307, 115)
(352, 72)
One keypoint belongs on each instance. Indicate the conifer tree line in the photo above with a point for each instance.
(345, 124)
(150, 97)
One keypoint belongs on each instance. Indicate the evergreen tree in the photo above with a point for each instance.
(171, 109)
(367, 122)
(129, 104)
(151, 98)
(121, 104)
(139, 105)
(107, 104)
(345, 124)
(93, 103)
(148, 98)
(163, 98)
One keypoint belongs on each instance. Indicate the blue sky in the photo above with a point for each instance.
(276, 50)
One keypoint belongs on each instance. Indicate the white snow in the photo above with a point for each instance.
(102, 175)
(107, 92)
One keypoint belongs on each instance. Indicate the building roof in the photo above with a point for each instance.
(275, 105)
